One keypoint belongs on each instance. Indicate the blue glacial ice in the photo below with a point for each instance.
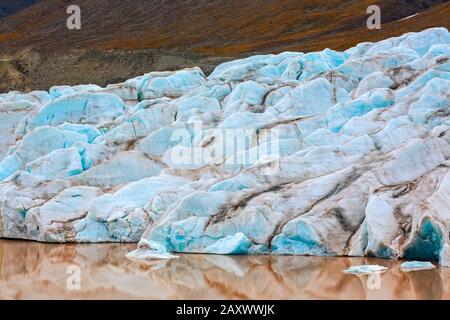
(323, 153)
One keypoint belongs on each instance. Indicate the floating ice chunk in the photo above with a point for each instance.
(416, 266)
(150, 250)
(366, 269)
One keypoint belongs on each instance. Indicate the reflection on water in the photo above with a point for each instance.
(31, 270)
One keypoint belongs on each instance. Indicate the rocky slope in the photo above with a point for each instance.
(32, 69)
(325, 153)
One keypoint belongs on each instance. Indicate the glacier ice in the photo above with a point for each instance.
(366, 269)
(150, 250)
(333, 154)
(416, 265)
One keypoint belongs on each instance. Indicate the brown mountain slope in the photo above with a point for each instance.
(219, 27)
(124, 38)
(8, 7)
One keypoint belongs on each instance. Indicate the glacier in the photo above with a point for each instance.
(335, 154)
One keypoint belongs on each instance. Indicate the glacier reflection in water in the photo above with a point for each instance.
(31, 270)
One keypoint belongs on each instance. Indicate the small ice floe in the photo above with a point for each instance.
(416, 266)
(150, 250)
(366, 269)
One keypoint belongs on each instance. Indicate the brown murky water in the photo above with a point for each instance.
(31, 270)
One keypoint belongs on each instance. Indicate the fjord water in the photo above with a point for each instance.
(30, 270)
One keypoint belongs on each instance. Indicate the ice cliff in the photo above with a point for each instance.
(324, 153)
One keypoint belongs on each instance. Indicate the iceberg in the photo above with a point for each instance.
(366, 269)
(409, 266)
(323, 153)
